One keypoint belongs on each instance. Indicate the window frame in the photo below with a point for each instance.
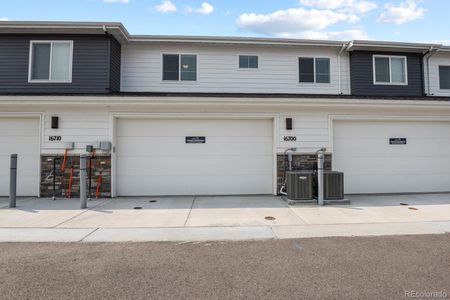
(247, 69)
(197, 71)
(439, 78)
(314, 69)
(51, 42)
(390, 69)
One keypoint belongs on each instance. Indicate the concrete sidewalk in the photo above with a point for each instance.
(219, 218)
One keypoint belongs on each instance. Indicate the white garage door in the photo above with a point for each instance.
(362, 150)
(21, 136)
(153, 157)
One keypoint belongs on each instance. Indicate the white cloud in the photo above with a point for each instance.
(352, 34)
(358, 6)
(4, 19)
(116, 1)
(292, 21)
(404, 12)
(205, 8)
(165, 7)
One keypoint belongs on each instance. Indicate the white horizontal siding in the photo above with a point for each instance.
(218, 70)
(438, 59)
(79, 126)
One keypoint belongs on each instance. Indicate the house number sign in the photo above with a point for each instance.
(290, 138)
(54, 138)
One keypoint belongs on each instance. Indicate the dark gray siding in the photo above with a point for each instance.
(361, 73)
(115, 61)
(91, 69)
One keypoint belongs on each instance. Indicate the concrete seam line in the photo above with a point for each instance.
(275, 236)
(77, 215)
(190, 210)
(83, 238)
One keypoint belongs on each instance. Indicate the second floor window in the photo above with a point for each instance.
(389, 70)
(314, 70)
(51, 61)
(444, 77)
(248, 62)
(179, 67)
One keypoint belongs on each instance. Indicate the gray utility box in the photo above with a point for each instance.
(333, 185)
(299, 185)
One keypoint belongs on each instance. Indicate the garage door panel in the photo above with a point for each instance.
(13, 144)
(154, 159)
(16, 126)
(21, 136)
(208, 185)
(381, 147)
(361, 150)
(213, 145)
(380, 129)
(187, 127)
(390, 184)
(181, 166)
(395, 165)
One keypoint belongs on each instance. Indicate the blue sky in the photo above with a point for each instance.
(401, 20)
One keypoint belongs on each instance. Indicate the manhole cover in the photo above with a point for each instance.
(137, 207)
(152, 201)
(269, 218)
(412, 208)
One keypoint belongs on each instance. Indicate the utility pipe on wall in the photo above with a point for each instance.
(320, 162)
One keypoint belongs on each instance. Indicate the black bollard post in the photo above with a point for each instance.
(13, 181)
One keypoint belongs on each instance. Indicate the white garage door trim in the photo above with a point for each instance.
(116, 115)
(399, 118)
(40, 117)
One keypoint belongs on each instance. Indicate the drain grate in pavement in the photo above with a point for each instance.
(269, 218)
(153, 201)
(413, 208)
(137, 207)
(405, 204)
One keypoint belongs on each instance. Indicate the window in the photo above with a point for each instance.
(389, 69)
(50, 61)
(248, 62)
(314, 70)
(178, 67)
(444, 77)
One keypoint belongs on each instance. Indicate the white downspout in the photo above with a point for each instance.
(430, 53)
(339, 68)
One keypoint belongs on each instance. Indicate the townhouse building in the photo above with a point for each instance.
(189, 115)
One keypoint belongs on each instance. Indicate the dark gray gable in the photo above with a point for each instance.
(95, 69)
(361, 74)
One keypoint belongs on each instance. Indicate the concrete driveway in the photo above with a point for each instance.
(221, 217)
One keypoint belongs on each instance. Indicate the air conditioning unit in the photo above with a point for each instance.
(333, 185)
(299, 185)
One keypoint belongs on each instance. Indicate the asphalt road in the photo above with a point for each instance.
(331, 268)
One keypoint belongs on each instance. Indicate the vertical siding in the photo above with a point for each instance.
(115, 58)
(438, 59)
(218, 70)
(361, 72)
(90, 71)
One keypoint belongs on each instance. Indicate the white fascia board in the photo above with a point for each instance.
(199, 101)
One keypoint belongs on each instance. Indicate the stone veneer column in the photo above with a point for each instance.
(99, 163)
